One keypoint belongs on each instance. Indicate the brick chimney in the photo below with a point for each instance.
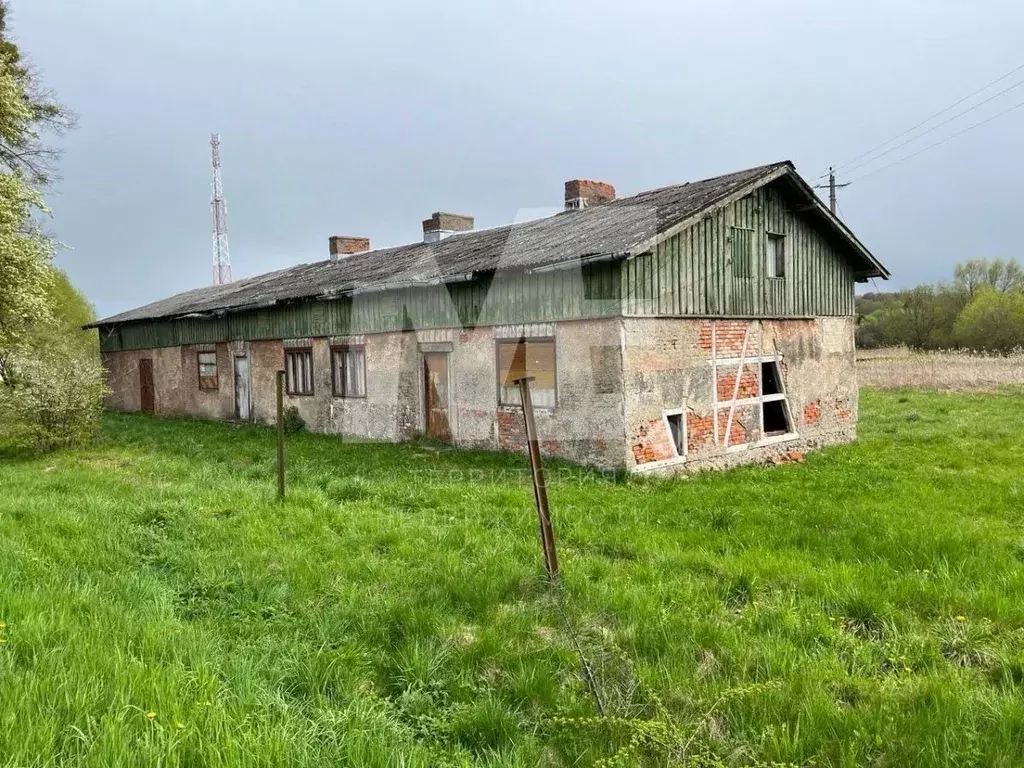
(441, 224)
(343, 246)
(582, 193)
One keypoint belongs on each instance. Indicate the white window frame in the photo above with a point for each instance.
(683, 434)
(771, 260)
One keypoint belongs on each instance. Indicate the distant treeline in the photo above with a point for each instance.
(982, 309)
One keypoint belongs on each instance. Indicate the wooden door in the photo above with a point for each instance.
(146, 393)
(435, 395)
(243, 401)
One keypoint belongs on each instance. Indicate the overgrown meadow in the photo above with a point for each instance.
(159, 607)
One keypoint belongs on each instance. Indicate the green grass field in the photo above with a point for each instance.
(864, 608)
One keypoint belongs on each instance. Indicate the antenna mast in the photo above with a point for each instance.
(221, 257)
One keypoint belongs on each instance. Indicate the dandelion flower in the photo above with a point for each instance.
(151, 715)
(961, 618)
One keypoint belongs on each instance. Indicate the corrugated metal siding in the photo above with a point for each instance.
(691, 273)
(517, 297)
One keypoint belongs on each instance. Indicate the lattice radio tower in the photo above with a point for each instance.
(221, 257)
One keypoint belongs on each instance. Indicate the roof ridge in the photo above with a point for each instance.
(613, 229)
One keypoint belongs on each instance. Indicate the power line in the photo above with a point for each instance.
(935, 127)
(929, 118)
(938, 143)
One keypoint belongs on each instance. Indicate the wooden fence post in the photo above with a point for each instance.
(540, 490)
(280, 435)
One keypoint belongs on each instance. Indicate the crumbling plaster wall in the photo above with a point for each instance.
(615, 380)
(585, 427)
(667, 366)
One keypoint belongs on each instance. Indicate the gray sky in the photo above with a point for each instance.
(364, 118)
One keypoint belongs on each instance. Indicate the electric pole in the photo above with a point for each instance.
(832, 187)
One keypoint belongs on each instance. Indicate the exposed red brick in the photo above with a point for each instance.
(699, 431)
(344, 245)
(653, 442)
(748, 383)
(737, 430)
(511, 431)
(728, 336)
(812, 413)
(591, 193)
(843, 411)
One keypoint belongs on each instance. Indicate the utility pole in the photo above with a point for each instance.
(832, 187)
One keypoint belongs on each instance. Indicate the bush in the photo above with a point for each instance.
(53, 401)
(993, 322)
(293, 422)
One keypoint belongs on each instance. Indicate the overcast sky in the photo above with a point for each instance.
(363, 118)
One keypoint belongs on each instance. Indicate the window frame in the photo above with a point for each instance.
(312, 378)
(778, 271)
(525, 340)
(748, 273)
(337, 391)
(199, 371)
(681, 413)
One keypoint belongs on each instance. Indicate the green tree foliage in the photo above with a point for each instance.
(998, 275)
(948, 315)
(69, 310)
(993, 321)
(51, 385)
(26, 111)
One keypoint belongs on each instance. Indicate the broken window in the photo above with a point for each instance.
(298, 367)
(775, 256)
(207, 370)
(774, 411)
(677, 427)
(349, 371)
(527, 357)
(742, 252)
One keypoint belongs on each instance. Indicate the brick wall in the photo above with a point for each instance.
(652, 442)
(748, 383)
(728, 336)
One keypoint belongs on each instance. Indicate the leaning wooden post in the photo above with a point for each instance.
(540, 490)
(280, 435)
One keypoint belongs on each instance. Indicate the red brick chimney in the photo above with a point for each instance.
(342, 246)
(582, 193)
(442, 224)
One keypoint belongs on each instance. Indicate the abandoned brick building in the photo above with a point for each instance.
(693, 326)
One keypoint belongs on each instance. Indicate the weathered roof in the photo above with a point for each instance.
(622, 227)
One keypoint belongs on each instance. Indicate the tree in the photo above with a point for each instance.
(69, 310)
(993, 321)
(25, 272)
(51, 384)
(976, 274)
(27, 111)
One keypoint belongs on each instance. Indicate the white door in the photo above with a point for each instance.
(242, 397)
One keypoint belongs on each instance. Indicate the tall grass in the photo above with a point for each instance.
(957, 370)
(160, 608)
